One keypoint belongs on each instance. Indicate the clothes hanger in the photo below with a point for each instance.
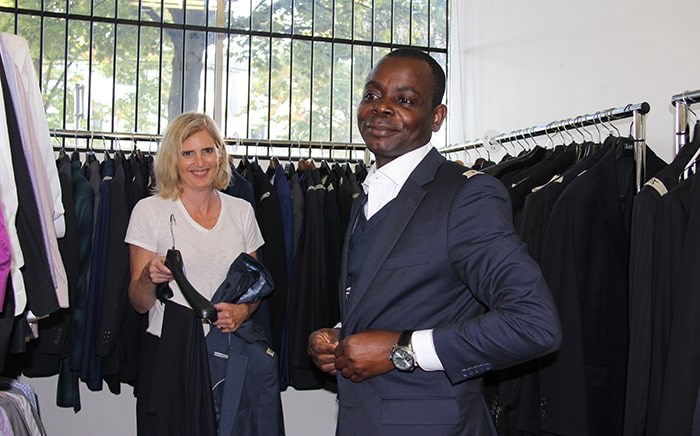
(203, 308)
(91, 151)
(61, 145)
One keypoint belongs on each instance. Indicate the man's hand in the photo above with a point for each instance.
(322, 345)
(365, 354)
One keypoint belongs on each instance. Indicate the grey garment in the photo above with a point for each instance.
(12, 385)
(5, 425)
(20, 426)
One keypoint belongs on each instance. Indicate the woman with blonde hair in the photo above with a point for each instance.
(210, 229)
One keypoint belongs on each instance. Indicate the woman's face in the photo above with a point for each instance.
(198, 162)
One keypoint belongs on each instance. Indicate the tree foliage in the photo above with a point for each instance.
(294, 68)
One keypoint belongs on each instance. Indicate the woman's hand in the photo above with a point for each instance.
(157, 272)
(230, 316)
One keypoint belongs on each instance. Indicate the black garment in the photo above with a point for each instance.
(537, 175)
(271, 314)
(42, 356)
(499, 170)
(116, 279)
(68, 392)
(6, 323)
(682, 377)
(174, 387)
(643, 253)
(309, 299)
(646, 241)
(669, 239)
(585, 265)
(335, 233)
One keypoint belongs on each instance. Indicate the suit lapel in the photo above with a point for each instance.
(405, 205)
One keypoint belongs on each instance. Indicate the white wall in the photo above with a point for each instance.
(306, 413)
(515, 63)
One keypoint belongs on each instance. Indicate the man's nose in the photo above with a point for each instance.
(381, 106)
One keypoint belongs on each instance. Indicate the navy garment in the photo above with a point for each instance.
(240, 187)
(91, 366)
(116, 278)
(243, 369)
(284, 196)
(363, 233)
(473, 261)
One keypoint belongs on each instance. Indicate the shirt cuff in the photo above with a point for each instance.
(424, 347)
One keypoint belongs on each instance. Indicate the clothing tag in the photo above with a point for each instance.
(471, 173)
(555, 179)
(221, 355)
(658, 185)
(270, 352)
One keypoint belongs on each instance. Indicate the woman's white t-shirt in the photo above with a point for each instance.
(206, 253)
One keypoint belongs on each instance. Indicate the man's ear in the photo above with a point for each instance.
(439, 114)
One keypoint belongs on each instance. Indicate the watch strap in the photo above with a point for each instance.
(405, 338)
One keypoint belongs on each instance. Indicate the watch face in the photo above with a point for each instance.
(402, 359)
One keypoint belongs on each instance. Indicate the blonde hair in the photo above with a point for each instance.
(167, 158)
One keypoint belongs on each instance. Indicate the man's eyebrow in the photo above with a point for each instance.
(402, 88)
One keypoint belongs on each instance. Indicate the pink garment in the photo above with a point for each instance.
(5, 258)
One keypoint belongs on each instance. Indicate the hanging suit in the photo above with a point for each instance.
(585, 265)
(682, 378)
(645, 239)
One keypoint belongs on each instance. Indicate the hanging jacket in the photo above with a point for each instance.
(244, 370)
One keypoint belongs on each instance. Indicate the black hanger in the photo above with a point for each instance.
(203, 308)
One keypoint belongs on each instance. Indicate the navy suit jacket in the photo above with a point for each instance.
(447, 258)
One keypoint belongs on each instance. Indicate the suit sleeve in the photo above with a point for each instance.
(520, 322)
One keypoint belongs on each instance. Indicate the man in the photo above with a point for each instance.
(436, 288)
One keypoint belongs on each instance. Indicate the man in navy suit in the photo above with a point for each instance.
(436, 287)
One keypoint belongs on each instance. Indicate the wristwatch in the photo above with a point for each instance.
(402, 355)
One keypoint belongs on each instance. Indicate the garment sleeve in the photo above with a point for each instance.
(521, 321)
(141, 230)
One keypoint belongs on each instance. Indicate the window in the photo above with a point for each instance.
(287, 70)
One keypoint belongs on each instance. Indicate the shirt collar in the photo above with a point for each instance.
(400, 168)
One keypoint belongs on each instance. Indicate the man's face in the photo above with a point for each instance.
(395, 115)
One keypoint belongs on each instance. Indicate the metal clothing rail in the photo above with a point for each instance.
(266, 149)
(636, 111)
(682, 102)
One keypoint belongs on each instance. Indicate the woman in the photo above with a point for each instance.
(210, 229)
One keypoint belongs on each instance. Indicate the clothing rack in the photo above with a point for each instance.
(636, 111)
(682, 102)
(263, 149)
